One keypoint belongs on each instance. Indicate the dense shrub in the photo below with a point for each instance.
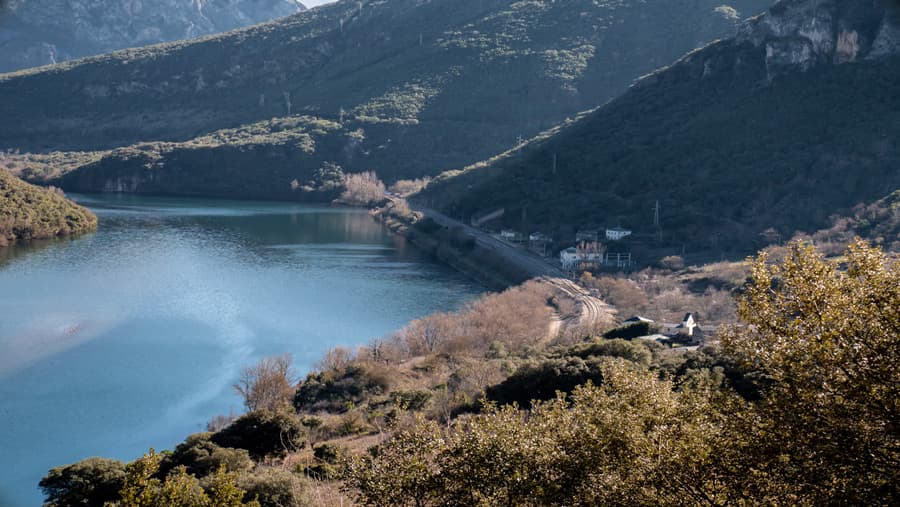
(275, 488)
(411, 400)
(93, 481)
(634, 330)
(201, 457)
(636, 352)
(823, 333)
(263, 433)
(338, 390)
(541, 380)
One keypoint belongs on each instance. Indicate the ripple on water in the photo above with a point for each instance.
(131, 337)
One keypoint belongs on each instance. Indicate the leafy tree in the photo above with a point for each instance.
(822, 335)
(826, 333)
(181, 490)
(93, 481)
(223, 490)
(143, 488)
(400, 472)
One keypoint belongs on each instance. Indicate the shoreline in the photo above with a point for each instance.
(484, 266)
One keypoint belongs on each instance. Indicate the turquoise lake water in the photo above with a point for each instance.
(131, 337)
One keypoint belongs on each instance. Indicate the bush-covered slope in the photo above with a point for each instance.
(29, 212)
(760, 131)
(416, 87)
(42, 32)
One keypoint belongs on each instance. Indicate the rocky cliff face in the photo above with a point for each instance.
(41, 32)
(804, 33)
(794, 35)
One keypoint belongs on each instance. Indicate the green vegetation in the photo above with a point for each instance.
(263, 433)
(878, 222)
(728, 148)
(405, 88)
(28, 212)
(796, 406)
(822, 432)
(93, 481)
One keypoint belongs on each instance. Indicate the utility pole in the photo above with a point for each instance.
(554, 164)
(656, 222)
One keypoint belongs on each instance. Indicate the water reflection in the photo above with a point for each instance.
(131, 337)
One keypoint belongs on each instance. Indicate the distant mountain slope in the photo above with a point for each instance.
(791, 121)
(878, 222)
(414, 88)
(29, 212)
(43, 32)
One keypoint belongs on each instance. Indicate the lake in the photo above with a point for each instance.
(132, 337)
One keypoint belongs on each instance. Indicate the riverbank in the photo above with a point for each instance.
(494, 263)
(454, 247)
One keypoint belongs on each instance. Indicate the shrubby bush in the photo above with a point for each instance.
(263, 433)
(93, 481)
(272, 487)
(824, 338)
(411, 400)
(636, 352)
(340, 389)
(201, 457)
(541, 380)
(634, 330)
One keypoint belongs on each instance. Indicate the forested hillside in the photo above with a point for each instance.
(28, 212)
(779, 128)
(44, 32)
(406, 88)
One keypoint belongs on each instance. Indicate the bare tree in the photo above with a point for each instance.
(362, 189)
(267, 385)
(337, 358)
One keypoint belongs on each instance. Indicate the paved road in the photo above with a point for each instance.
(529, 262)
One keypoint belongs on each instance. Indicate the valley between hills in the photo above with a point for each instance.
(682, 219)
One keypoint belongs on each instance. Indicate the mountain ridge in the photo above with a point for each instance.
(34, 33)
(415, 87)
(732, 139)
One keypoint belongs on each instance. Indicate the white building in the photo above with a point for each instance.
(571, 258)
(511, 235)
(617, 233)
(687, 325)
(538, 237)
